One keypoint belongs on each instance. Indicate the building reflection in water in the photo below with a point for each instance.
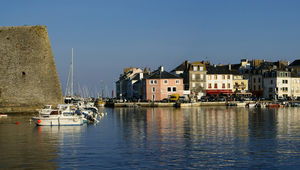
(206, 136)
(183, 134)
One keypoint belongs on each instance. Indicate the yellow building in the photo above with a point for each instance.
(240, 84)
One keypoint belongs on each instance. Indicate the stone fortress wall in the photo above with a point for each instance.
(28, 76)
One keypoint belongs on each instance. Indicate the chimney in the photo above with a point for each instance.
(187, 62)
(141, 76)
(161, 68)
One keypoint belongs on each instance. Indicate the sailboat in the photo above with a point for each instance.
(69, 92)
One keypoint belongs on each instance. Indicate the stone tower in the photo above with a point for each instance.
(28, 76)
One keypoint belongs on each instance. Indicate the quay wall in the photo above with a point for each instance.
(28, 76)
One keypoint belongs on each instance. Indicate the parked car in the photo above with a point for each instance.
(174, 98)
(211, 99)
(165, 100)
(203, 99)
(221, 99)
(183, 99)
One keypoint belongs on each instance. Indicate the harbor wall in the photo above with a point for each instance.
(28, 76)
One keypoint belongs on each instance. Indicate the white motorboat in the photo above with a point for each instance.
(251, 105)
(45, 111)
(90, 113)
(63, 115)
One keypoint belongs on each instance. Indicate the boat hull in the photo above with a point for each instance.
(58, 121)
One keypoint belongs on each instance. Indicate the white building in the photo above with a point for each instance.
(277, 84)
(295, 87)
(219, 80)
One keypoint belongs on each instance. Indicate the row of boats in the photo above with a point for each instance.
(265, 104)
(67, 115)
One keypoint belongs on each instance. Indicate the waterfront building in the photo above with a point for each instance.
(124, 84)
(256, 83)
(219, 80)
(161, 84)
(255, 75)
(277, 84)
(197, 79)
(183, 71)
(194, 78)
(295, 86)
(240, 84)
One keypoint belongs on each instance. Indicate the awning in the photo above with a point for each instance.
(219, 92)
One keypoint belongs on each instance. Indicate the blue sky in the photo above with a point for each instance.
(110, 35)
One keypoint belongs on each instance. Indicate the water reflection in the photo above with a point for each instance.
(158, 138)
(26, 146)
(211, 136)
(22, 146)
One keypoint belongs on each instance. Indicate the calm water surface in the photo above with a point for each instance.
(158, 138)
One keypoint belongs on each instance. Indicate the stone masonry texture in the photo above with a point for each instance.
(28, 76)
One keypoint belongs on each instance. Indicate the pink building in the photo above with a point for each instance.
(161, 84)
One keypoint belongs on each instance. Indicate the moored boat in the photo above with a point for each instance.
(3, 115)
(63, 115)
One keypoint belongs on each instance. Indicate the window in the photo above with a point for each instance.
(201, 68)
(223, 85)
(228, 77)
(193, 84)
(193, 77)
(216, 85)
(201, 76)
(165, 81)
(208, 77)
(153, 89)
(223, 77)
(169, 89)
(285, 81)
(153, 97)
(259, 79)
(254, 87)
(201, 84)
(174, 89)
(271, 82)
(195, 68)
(209, 85)
(254, 80)
(228, 85)
(177, 82)
(258, 87)
(216, 77)
(151, 81)
(155, 81)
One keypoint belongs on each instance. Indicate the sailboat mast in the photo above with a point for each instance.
(72, 76)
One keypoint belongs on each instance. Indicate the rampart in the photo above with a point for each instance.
(28, 76)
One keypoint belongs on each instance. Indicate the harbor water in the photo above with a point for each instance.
(157, 138)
